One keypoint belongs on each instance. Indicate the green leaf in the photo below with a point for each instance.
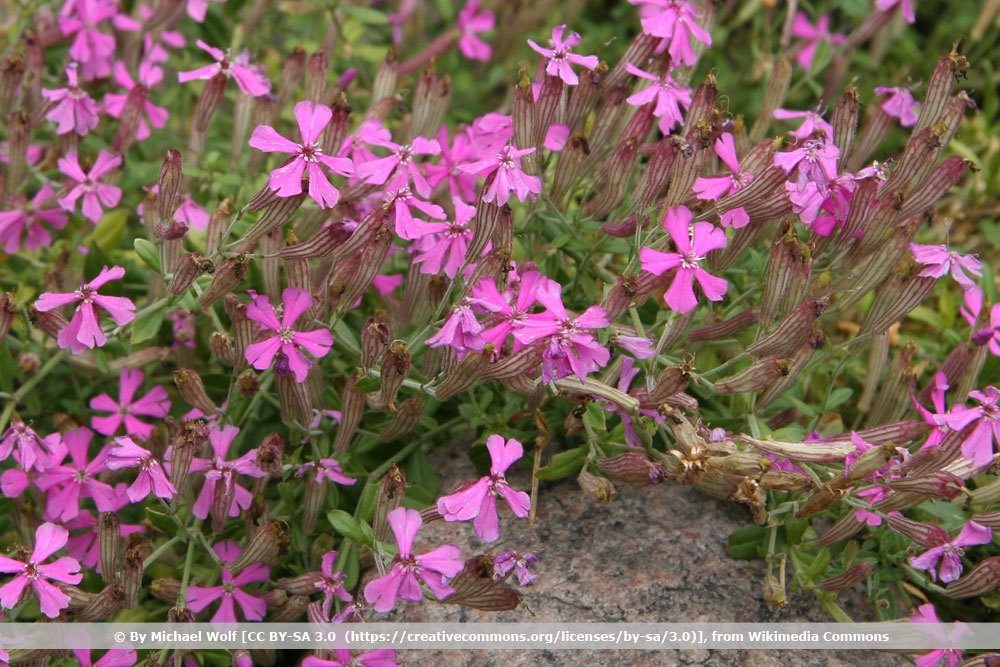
(148, 253)
(108, 230)
(364, 14)
(161, 521)
(354, 530)
(148, 324)
(795, 529)
(420, 474)
(595, 417)
(819, 566)
(367, 384)
(747, 543)
(838, 397)
(564, 464)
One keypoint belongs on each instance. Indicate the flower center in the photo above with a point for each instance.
(405, 154)
(690, 260)
(312, 152)
(31, 570)
(286, 335)
(85, 294)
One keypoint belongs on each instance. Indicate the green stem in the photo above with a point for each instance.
(32, 382)
(160, 550)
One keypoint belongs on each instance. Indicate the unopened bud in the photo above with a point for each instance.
(169, 184)
(787, 276)
(582, 97)
(462, 376)
(774, 96)
(476, 588)
(792, 331)
(192, 390)
(431, 98)
(523, 113)
(385, 77)
(845, 122)
(821, 499)
(209, 101)
(293, 609)
(316, 71)
(672, 380)
(935, 484)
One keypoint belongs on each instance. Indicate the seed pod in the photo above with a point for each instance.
(391, 489)
(166, 589)
(845, 122)
(789, 269)
(462, 376)
(269, 455)
(633, 468)
(876, 265)
(352, 408)
(223, 348)
(226, 278)
(548, 110)
(316, 71)
(169, 184)
(375, 337)
(983, 579)
(819, 500)
(944, 177)
(385, 78)
(947, 126)
(304, 584)
(314, 499)
(396, 363)
(6, 313)
(903, 291)
(598, 489)
(672, 380)
(431, 99)
(109, 544)
(190, 266)
(945, 74)
(774, 586)
(852, 575)
(131, 574)
(774, 96)
(293, 609)
(784, 480)
(755, 377)
(293, 396)
(476, 588)
(266, 546)
(406, 419)
(899, 384)
(840, 531)
(291, 73)
(582, 97)
(105, 604)
(934, 484)
(218, 225)
(812, 452)
(192, 390)
(726, 328)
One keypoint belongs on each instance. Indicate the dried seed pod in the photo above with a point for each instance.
(105, 604)
(192, 390)
(784, 480)
(375, 336)
(476, 588)
(792, 331)
(352, 408)
(750, 494)
(598, 489)
(109, 544)
(819, 500)
(189, 268)
(672, 380)
(813, 452)
(226, 278)
(395, 366)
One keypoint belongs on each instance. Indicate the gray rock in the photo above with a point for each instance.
(655, 554)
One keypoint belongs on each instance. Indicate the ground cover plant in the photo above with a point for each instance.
(259, 260)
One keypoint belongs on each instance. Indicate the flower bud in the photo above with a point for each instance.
(291, 73)
(489, 218)
(633, 468)
(131, 116)
(209, 101)
(925, 534)
(934, 484)
(336, 131)
(597, 489)
(223, 348)
(947, 175)
(352, 408)
(396, 363)
(916, 162)
(821, 499)
(406, 419)
(840, 531)
(549, 109)
(873, 132)
(852, 575)
(166, 589)
(612, 176)
(991, 520)
(266, 546)
(227, 277)
(983, 579)
(218, 226)
(792, 331)
(391, 489)
(109, 544)
(431, 98)
(275, 212)
(304, 584)
(672, 380)
(639, 51)
(51, 322)
(519, 363)
(370, 260)
(289, 612)
(610, 118)
(725, 328)
(131, 574)
(192, 390)
(657, 172)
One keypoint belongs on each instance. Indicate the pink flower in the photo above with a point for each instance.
(114, 103)
(74, 110)
(676, 21)
(286, 340)
(66, 483)
(461, 332)
(900, 104)
(815, 159)
(518, 562)
(692, 244)
(116, 657)
(25, 225)
(400, 167)
(218, 469)
(197, 9)
(250, 79)
(990, 334)
(403, 579)
(84, 329)
(512, 306)
(978, 445)
(331, 583)
(812, 122)
(668, 95)
(571, 349)
(938, 420)
(343, 657)
(471, 22)
(445, 244)
(461, 184)
(286, 180)
(49, 538)
(88, 185)
(939, 261)
(151, 478)
(32, 450)
(626, 375)
(93, 49)
(508, 176)
(327, 470)
(400, 201)
(906, 7)
(477, 500)
(949, 554)
(951, 657)
(813, 35)
(231, 593)
(561, 56)
(716, 187)
(156, 404)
